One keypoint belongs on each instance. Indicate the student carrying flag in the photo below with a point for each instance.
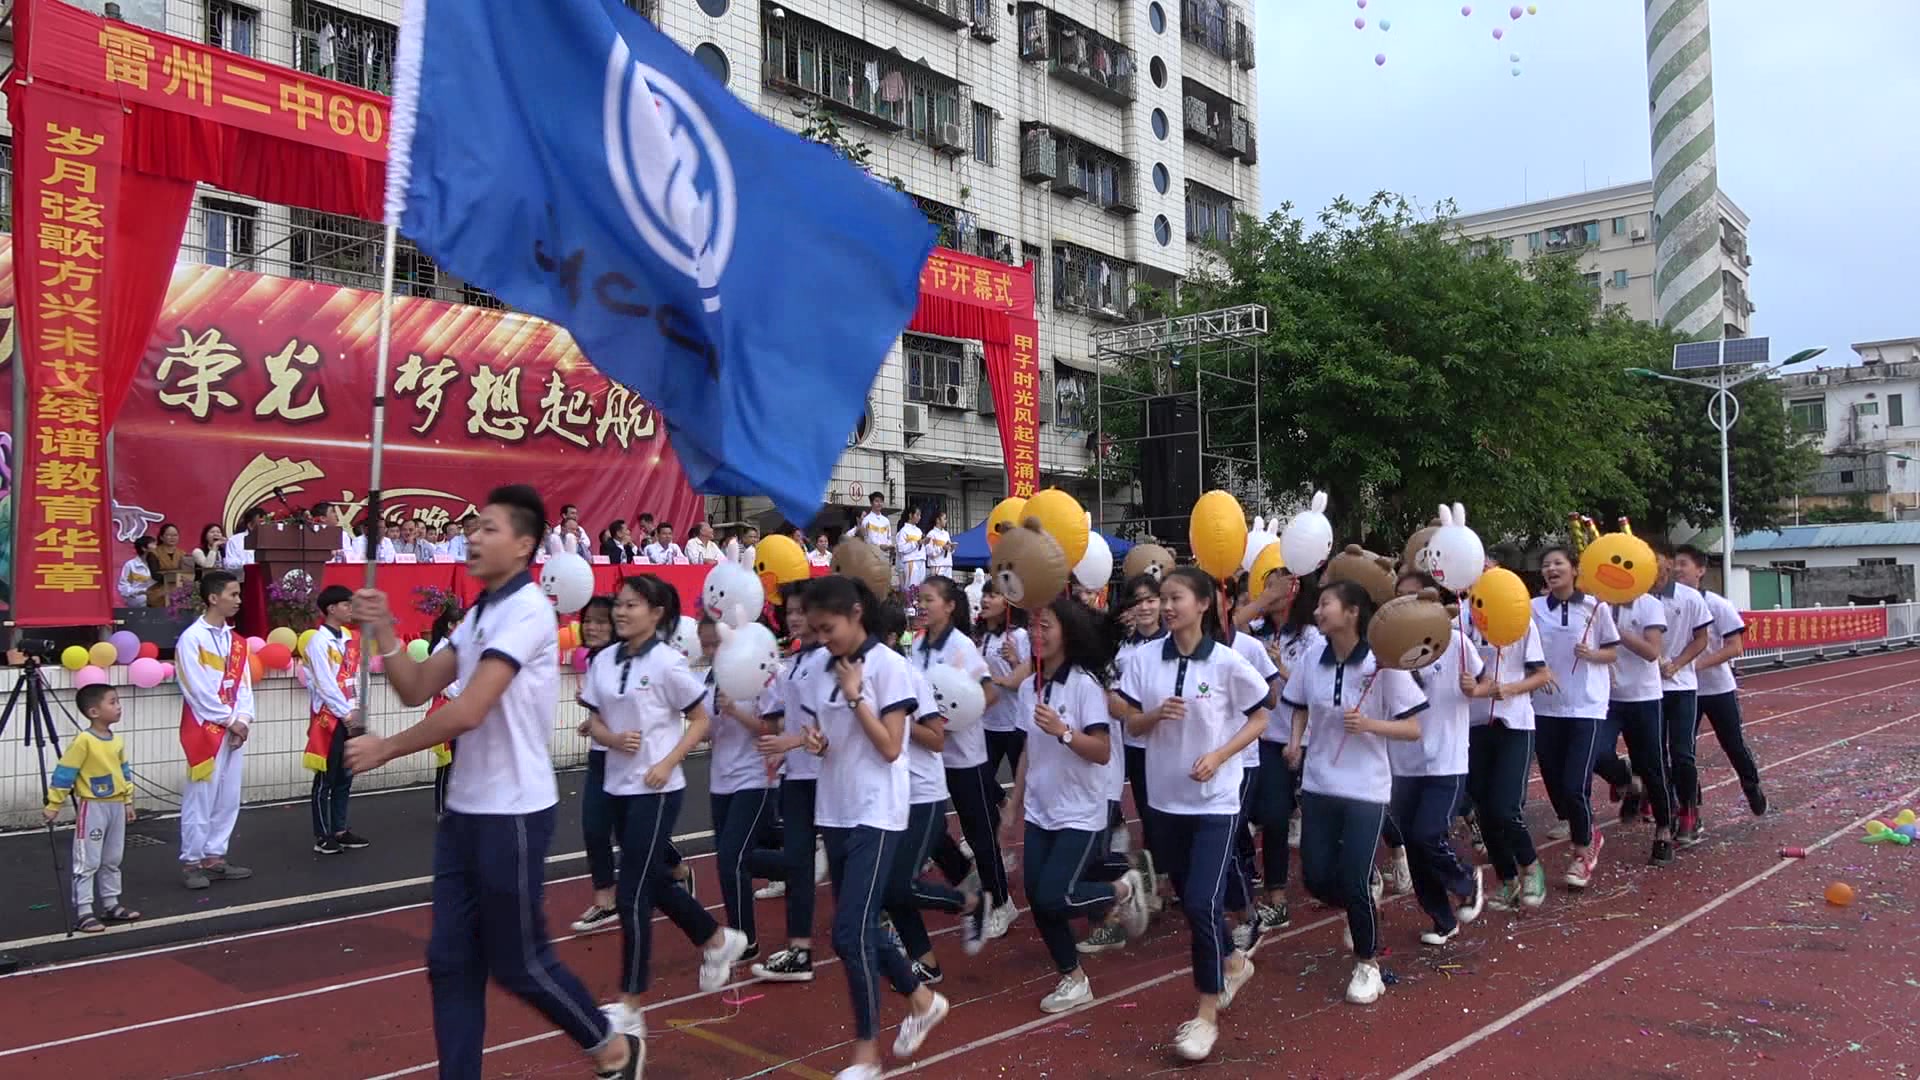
(735, 275)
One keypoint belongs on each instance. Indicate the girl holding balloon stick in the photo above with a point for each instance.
(1571, 706)
(1500, 742)
(1296, 641)
(739, 791)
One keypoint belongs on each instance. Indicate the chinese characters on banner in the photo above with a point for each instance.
(1800, 628)
(68, 174)
(252, 383)
(965, 296)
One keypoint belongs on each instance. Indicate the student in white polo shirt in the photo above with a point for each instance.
(637, 696)
(1351, 709)
(1719, 693)
(860, 733)
(1580, 642)
(1689, 623)
(1198, 704)
(490, 849)
(1255, 916)
(740, 794)
(1499, 761)
(1060, 796)
(1633, 714)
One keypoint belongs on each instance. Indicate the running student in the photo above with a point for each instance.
(1577, 636)
(1060, 794)
(333, 661)
(1137, 625)
(796, 695)
(1499, 758)
(94, 770)
(489, 858)
(216, 715)
(636, 696)
(1295, 641)
(740, 794)
(1633, 712)
(860, 733)
(1197, 704)
(1008, 651)
(1719, 693)
(1351, 707)
(1690, 622)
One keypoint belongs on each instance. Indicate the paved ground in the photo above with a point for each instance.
(1729, 963)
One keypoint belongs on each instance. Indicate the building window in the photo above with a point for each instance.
(1846, 477)
(1808, 416)
(934, 368)
(1789, 564)
(877, 86)
(957, 227)
(1592, 280)
(1879, 562)
(228, 232)
(1209, 215)
(1619, 279)
(1896, 411)
(231, 27)
(1866, 408)
(1094, 173)
(1087, 281)
(1076, 54)
(983, 133)
(342, 46)
(1214, 120)
(647, 9)
(1573, 236)
(1619, 226)
(1534, 241)
(1073, 399)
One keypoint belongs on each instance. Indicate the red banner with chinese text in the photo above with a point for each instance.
(966, 296)
(119, 61)
(255, 383)
(67, 154)
(1801, 627)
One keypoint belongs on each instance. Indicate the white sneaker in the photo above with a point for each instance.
(1133, 911)
(1000, 918)
(1559, 830)
(1376, 884)
(1470, 911)
(716, 962)
(1071, 992)
(917, 1026)
(1365, 987)
(1193, 1040)
(859, 1072)
(1120, 843)
(1400, 873)
(1435, 937)
(1293, 832)
(1009, 861)
(966, 849)
(626, 1021)
(1243, 937)
(820, 865)
(1235, 980)
(772, 890)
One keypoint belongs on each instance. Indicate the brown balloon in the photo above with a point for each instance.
(1029, 567)
(1150, 559)
(857, 559)
(1410, 632)
(1417, 543)
(1373, 573)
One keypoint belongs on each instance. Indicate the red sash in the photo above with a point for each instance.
(320, 726)
(201, 738)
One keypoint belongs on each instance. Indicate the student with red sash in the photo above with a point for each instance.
(333, 663)
(215, 715)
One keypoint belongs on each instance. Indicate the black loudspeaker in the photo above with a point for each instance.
(1170, 458)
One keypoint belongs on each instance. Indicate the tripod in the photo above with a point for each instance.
(31, 689)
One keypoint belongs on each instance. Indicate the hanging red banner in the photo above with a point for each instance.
(67, 179)
(1019, 420)
(967, 296)
(1800, 628)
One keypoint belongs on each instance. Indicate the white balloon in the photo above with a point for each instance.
(1454, 555)
(958, 695)
(1308, 538)
(568, 581)
(746, 661)
(1258, 537)
(686, 637)
(732, 594)
(1096, 566)
(975, 590)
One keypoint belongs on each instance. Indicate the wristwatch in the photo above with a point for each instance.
(1066, 737)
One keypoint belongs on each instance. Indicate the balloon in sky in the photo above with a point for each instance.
(1514, 13)
(1359, 24)
(1380, 59)
(1533, 9)
(1386, 24)
(1498, 33)
(1466, 9)
(1516, 70)
(1361, 4)
(1515, 58)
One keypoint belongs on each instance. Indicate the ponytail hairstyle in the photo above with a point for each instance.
(1354, 595)
(443, 624)
(660, 596)
(1306, 598)
(1087, 638)
(950, 591)
(1203, 585)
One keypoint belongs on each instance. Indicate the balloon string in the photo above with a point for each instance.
(1345, 735)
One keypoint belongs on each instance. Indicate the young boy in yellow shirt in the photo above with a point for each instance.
(95, 771)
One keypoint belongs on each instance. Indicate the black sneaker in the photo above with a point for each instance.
(1273, 916)
(353, 841)
(1630, 803)
(787, 965)
(1756, 799)
(928, 974)
(1662, 854)
(327, 845)
(595, 919)
(751, 953)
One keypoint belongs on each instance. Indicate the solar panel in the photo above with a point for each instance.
(1731, 352)
(1745, 352)
(1694, 355)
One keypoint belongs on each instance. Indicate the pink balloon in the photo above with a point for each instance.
(580, 656)
(1467, 10)
(166, 672)
(89, 676)
(300, 674)
(1498, 33)
(146, 672)
(379, 665)
(255, 644)
(1515, 12)
(1380, 59)
(1361, 4)
(1359, 24)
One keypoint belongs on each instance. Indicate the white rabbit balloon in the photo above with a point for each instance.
(959, 696)
(1308, 539)
(975, 590)
(1455, 556)
(732, 594)
(568, 580)
(1258, 537)
(746, 661)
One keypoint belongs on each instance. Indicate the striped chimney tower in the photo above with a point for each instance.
(1686, 179)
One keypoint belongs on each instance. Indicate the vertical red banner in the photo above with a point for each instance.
(1020, 432)
(66, 178)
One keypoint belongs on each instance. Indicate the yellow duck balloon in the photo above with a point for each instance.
(1500, 607)
(1618, 567)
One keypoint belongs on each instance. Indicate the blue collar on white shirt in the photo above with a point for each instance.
(1171, 650)
(1358, 656)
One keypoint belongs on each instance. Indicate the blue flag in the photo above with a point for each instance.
(568, 157)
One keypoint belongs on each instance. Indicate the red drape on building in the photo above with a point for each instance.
(969, 297)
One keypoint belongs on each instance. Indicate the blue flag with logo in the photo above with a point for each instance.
(568, 157)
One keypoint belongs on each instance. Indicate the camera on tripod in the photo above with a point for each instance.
(38, 650)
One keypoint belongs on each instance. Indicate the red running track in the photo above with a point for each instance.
(1728, 963)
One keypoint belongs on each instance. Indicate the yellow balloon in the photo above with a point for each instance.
(1501, 607)
(73, 658)
(1060, 517)
(1264, 564)
(300, 643)
(1218, 534)
(1006, 515)
(1905, 817)
(779, 561)
(101, 654)
(282, 635)
(1618, 568)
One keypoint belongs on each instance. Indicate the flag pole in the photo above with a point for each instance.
(379, 448)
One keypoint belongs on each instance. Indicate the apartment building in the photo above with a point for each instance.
(1107, 143)
(1611, 232)
(1862, 417)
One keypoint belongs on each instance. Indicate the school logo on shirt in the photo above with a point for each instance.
(1205, 690)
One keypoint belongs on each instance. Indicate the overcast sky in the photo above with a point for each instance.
(1815, 103)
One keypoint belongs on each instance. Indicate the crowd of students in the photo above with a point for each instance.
(1246, 720)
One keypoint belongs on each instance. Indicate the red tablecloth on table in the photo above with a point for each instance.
(401, 582)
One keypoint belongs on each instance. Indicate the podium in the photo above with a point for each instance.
(279, 548)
